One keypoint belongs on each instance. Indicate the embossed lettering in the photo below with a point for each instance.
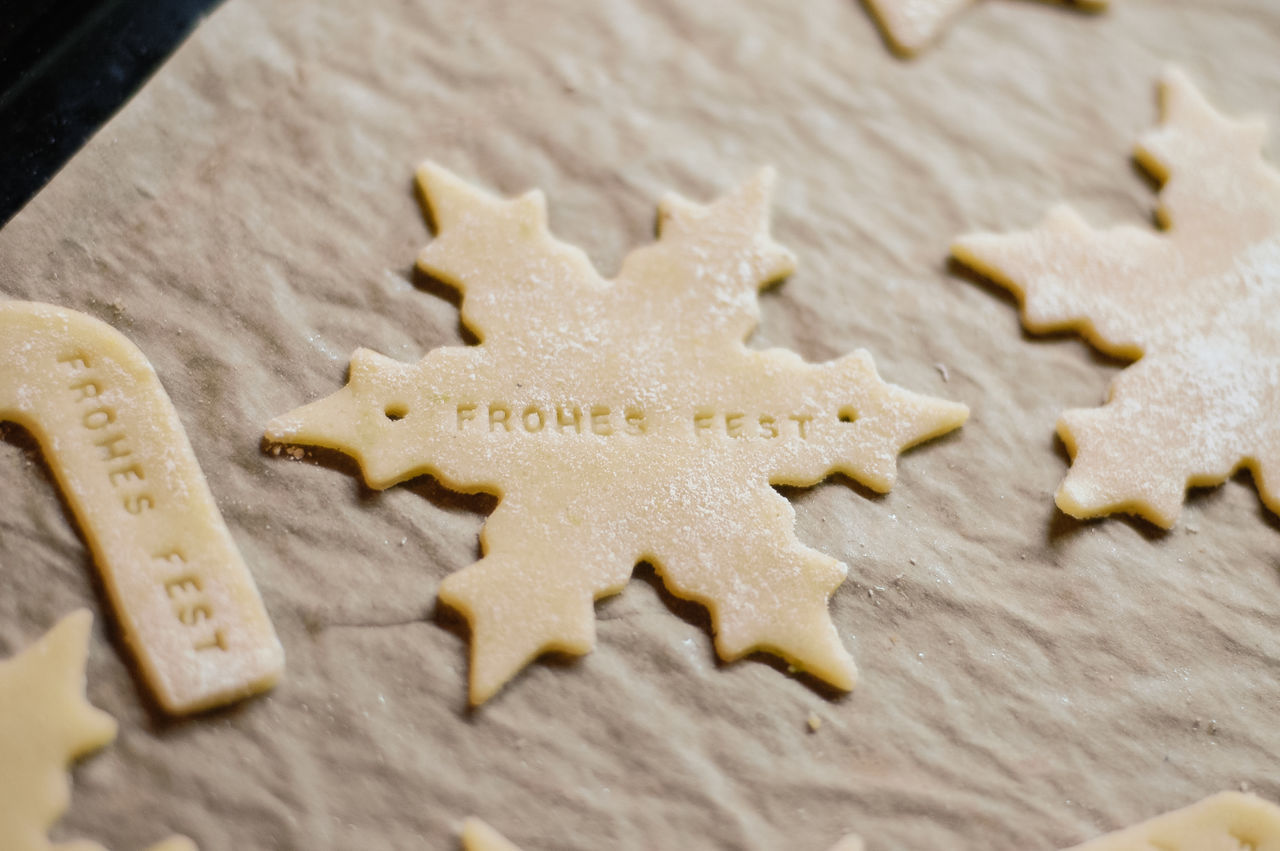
(635, 421)
(77, 361)
(518, 417)
(132, 473)
(138, 504)
(532, 419)
(215, 641)
(465, 412)
(575, 420)
(600, 420)
(88, 389)
(99, 418)
(183, 586)
(499, 415)
(191, 605)
(195, 614)
(110, 444)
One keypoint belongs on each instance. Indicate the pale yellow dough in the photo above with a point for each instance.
(45, 721)
(623, 421)
(1199, 304)
(185, 600)
(478, 836)
(911, 25)
(1229, 821)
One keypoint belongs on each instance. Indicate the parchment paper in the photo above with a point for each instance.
(1027, 681)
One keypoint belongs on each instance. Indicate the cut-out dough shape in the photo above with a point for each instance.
(1228, 821)
(184, 599)
(1199, 304)
(478, 836)
(911, 25)
(622, 421)
(45, 722)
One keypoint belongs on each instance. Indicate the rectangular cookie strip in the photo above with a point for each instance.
(183, 597)
(1229, 821)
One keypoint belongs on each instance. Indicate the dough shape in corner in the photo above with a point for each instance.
(183, 597)
(911, 25)
(1228, 821)
(45, 721)
(478, 836)
(622, 421)
(1197, 305)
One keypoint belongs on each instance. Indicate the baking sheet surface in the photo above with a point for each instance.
(1028, 681)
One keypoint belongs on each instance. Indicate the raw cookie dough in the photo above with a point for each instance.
(1199, 304)
(622, 421)
(248, 220)
(1229, 821)
(45, 721)
(910, 25)
(478, 836)
(183, 597)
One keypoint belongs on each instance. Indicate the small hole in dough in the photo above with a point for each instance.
(395, 411)
(848, 415)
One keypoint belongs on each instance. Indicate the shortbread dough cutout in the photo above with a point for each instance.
(45, 721)
(911, 25)
(1228, 821)
(1198, 304)
(183, 596)
(478, 836)
(622, 421)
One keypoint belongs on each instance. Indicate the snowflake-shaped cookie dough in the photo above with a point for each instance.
(622, 421)
(1199, 304)
(911, 25)
(1232, 821)
(44, 722)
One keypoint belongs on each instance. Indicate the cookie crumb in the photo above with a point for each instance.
(815, 723)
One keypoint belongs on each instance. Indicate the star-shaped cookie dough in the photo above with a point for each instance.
(1197, 305)
(911, 25)
(45, 721)
(623, 421)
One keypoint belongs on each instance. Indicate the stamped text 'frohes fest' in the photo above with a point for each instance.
(606, 421)
(181, 583)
